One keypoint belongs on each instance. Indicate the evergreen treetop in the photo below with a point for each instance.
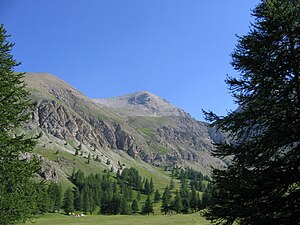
(18, 193)
(261, 185)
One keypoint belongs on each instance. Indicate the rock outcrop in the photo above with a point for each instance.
(140, 124)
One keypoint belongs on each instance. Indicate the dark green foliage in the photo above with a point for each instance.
(125, 208)
(103, 191)
(206, 199)
(195, 178)
(147, 187)
(79, 179)
(43, 200)
(68, 202)
(156, 196)
(126, 190)
(261, 185)
(55, 196)
(113, 197)
(18, 193)
(88, 204)
(177, 203)
(131, 176)
(151, 186)
(194, 200)
(115, 204)
(185, 205)
(106, 198)
(184, 191)
(166, 201)
(134, 206)
(78, 199)
(148, 207)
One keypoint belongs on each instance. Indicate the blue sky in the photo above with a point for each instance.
(177, 49)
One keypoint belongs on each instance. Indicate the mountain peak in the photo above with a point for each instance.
(143, 98)
(142, 103)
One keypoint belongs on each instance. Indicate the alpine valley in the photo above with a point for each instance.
(138, 130)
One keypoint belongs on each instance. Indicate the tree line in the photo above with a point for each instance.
(194, 178)
(193, 195)
(112, 196)
(121, 194)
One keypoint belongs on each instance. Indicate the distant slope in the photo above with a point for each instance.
(138, 126)
(141, 103)
(171, 132)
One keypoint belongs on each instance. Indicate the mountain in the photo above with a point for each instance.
(140, 129)
(141, 103)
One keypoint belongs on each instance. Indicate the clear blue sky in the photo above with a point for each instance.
(177, 49)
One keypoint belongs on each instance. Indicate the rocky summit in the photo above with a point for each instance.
(141, 103)
(139, 127)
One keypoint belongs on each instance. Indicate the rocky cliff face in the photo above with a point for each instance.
(62, 123)
(141, 124)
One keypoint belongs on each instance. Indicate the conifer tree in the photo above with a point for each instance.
(206, 199)
(134, 206)
(127, 192)
(166, 201)
(43, 200)
(125, 209)
(194, 200)
(148, 207)
(147, 187)
(18, 193)
(151, 186)
(261, 184)
(185, 205)
(115, 204)
(177, 203)
(55, 195)
(78, 199)
(68, 202)
(156, 196)
(105, 202)
(88, 204)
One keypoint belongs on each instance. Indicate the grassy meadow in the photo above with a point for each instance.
(60, 219)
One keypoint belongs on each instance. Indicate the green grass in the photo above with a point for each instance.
(59, 219)
(161, 150)
(160, 178)
(71, 161)
(150, 132)
(143, 122)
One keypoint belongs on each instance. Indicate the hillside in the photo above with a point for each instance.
(149, 131)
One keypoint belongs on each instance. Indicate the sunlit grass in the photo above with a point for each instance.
(59, 219)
